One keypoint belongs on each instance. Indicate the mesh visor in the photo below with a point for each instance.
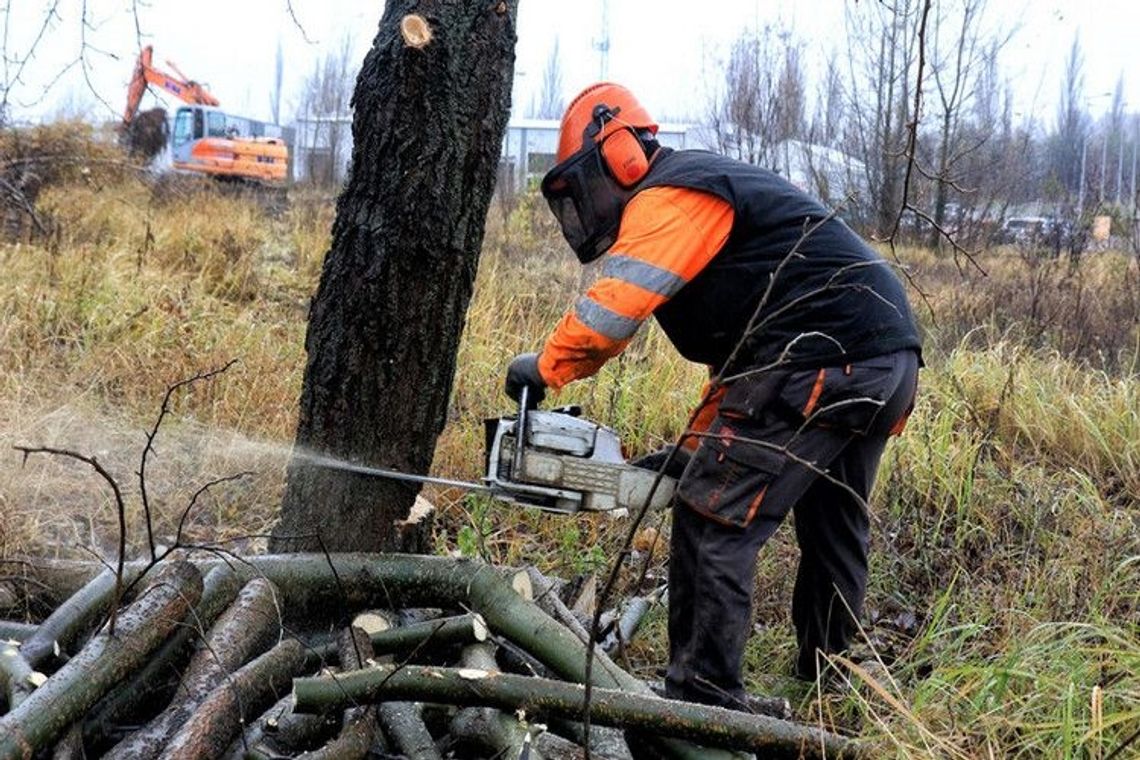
(586, 202)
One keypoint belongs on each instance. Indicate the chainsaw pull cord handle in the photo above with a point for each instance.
(520, 433)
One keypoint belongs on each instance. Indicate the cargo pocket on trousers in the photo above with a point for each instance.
(846, 397)
(727, 477)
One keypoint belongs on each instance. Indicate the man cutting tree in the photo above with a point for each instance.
(811, 340)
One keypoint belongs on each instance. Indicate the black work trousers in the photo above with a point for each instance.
(804, 439)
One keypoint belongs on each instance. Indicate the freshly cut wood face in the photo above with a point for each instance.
(415, 30)
(371, 622)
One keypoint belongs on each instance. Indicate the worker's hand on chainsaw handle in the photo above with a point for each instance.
(523, 372)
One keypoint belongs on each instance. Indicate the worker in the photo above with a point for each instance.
(807, 331)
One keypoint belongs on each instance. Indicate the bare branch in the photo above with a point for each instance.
(297, 23)
(149, 448)
(120, 507)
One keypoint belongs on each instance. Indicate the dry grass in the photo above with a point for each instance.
(1004, 595)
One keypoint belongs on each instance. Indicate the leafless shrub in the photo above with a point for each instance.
(39, 157)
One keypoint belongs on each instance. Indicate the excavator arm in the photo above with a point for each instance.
(145, 73)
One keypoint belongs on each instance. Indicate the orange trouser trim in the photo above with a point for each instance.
(710, 408)
(816, 392)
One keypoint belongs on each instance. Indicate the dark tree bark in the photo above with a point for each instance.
(431, 108)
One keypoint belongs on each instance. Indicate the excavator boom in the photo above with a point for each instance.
(186, 90)
(204, 140)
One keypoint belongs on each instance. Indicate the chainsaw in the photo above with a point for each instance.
(565, 464)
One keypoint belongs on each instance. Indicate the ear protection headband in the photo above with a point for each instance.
(621, 150)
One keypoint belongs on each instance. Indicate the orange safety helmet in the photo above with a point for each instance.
(602, 155)
(617, 137)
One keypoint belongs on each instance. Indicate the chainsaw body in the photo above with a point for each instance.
(566, 464)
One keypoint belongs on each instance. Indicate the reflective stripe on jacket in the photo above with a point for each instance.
(668, 235)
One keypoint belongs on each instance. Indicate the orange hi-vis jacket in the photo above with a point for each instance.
(668, 235)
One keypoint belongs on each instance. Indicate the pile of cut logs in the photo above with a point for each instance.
(339, 656)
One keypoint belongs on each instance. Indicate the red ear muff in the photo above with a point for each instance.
(625, 157)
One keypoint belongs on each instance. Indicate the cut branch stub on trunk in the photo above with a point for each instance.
(539, 698)
(173, 590)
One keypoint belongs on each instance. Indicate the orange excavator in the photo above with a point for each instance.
(204, 139)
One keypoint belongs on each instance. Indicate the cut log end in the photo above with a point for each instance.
(415, 30)
(371, 622)
(479, 628)
(522, 585)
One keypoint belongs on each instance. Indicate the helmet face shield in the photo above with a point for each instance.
(586, 201)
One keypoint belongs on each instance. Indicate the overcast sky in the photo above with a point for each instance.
(667, 50)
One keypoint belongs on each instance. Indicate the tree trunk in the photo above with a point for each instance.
(539, 698)
(431, 107)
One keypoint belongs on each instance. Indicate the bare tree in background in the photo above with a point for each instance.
(827, 121)
(15, 56)
(791, 99)
(1068, 141)
(324, 112)
(275, 93)
(745, 116)
(550, 102)
(1003, 169)
(881, 70)
(1116, 138)
(960, 53)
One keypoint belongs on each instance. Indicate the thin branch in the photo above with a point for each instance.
(150, 436)
(194, 500)
(912, 127)
(120, 507)
(84, 46)
(297, 23)
(51, 14)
